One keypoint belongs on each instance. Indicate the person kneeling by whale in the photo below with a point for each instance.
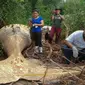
(74, 46)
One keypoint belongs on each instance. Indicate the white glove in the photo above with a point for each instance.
(75, 52)
(34, 26)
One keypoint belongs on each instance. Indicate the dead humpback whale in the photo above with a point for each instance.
(15, 38)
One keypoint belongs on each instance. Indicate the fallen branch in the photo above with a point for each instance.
(67, 29)
(73, 63)
(83, 81)
(45, 75)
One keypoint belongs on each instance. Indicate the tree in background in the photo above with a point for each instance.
(18, 11)
(74, 14)
(33, 3)
(15, 11)
(46, 7)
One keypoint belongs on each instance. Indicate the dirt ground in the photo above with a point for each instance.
(57, 57)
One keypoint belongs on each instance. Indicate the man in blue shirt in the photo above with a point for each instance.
(36, 24)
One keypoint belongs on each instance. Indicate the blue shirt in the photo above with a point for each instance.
(36, 21)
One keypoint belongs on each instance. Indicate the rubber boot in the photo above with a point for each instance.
(36, 49)
(40, 50)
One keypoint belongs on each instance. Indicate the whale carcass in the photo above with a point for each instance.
(14, 39)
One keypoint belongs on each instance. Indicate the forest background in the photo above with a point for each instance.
(19, 11)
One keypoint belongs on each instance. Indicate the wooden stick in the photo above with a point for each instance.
(67, 29)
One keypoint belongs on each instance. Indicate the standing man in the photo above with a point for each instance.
(56, 25)
(36, 24)
(74, 46)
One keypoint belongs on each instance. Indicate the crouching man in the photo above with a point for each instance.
(74, 46)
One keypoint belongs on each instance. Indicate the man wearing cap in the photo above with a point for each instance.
(74, 46)
(56, 24)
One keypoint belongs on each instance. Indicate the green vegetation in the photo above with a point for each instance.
(74, 14)
(19, 11)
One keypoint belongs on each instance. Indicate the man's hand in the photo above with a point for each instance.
(35, 25)
(75, 51)
(62, 17)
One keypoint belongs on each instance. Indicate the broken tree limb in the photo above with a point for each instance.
(67, 29)
(83, 81)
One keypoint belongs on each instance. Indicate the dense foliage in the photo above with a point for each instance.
(74, 14)
(19, 11)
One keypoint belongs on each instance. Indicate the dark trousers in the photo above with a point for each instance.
(37, 38)
(57, 31)
(68, 53)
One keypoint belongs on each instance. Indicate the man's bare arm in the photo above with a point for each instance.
(67, 43)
